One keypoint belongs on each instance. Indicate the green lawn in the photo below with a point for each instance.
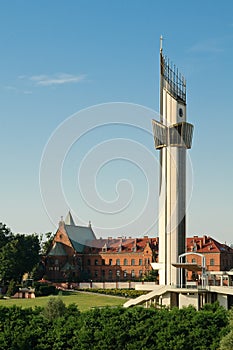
(84, 301)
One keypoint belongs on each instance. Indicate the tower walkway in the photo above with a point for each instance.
(147, 297)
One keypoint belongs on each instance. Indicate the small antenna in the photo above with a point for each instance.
(161, 43)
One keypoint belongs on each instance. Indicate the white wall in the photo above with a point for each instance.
(222, 298)
(188, 299)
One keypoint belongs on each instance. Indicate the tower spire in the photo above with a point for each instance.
(161, 43)
(69, 219)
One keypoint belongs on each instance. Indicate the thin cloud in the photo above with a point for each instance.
(27, 92)
(208, 46)
(10, 88)
(58, 79)
(17, 90)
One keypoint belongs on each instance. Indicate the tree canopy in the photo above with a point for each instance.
(60, 327)
(18, 254)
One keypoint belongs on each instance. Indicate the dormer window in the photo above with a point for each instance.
(104, 248)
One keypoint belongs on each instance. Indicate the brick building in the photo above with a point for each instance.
(77, 255)
(218, 258)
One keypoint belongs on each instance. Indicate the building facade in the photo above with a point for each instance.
(76, 255)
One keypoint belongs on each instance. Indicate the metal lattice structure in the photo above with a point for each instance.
(176, 83)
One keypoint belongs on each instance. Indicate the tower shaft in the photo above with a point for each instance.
(173, 135)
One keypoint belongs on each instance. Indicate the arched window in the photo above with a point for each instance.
(133, 262)
(118, 262)
(125, 262)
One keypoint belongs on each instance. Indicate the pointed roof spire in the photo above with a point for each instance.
(69, 219)
(161, 43)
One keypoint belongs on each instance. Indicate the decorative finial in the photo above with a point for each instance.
(89, 224)
(61, 222)
(161, 43)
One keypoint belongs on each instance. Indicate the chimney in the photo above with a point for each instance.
(200, 243)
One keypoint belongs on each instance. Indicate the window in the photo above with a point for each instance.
(103, 273)
(133, 273)
(110, 273)
(110, 262)
(103, 262)
(125, 274)
(96, 261)
(118, 262)
(96, 273)
(140, 273)
(140, 262)
(125, 262)
(56, 261)
(132, 261)
(193, 261)
(118, 273)
(88, 262)
(211, 262)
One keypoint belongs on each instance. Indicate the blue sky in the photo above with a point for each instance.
(58, 58)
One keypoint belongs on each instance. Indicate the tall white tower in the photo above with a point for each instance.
(173, 136)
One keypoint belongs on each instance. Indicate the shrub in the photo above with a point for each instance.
(55, 308)
(45, 290)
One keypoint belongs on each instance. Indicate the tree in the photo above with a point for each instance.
(55, 308)
(18, 255)
(151, 276)
(227, 341)
(45, 245)
(5, 235)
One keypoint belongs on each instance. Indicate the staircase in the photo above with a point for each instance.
(146, 297)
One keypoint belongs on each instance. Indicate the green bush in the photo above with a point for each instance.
(45, 290)
(12, 288)
(59, 327)
(129, 293)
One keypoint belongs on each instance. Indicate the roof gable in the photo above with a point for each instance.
(79, 235)
(57, 250)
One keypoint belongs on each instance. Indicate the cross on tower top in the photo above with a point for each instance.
(161, 43)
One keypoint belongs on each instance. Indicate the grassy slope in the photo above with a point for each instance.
(84, 301)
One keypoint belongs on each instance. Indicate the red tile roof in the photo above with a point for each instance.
(122, 244)
(206, 245)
